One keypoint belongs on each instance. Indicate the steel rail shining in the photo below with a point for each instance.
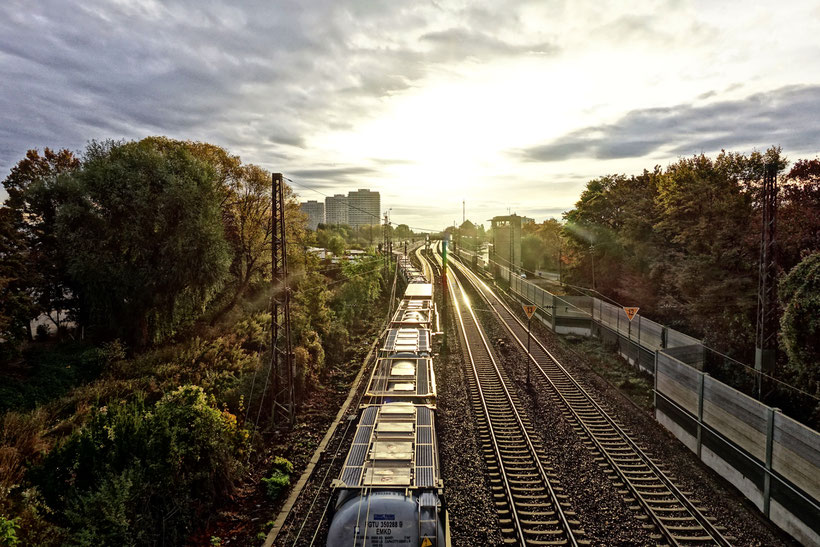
(704, 522)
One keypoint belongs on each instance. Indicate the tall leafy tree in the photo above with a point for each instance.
(34, 198)
(800, 323)
(798, 213)
(16, 305)
(142, 229)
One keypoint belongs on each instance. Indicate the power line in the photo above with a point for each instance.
(749, 368)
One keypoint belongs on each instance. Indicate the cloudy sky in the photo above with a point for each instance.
(503, 104)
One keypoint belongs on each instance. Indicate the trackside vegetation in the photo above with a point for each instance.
(137, 406)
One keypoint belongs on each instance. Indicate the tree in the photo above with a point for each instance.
(549, 233)
(142, 231)
(34, 198)
(710, 223)
(800, 323)
(403, 231)
(360, 290)
(336, 245)
(16, 305)
(246, 217)
(243, 192)
(532, 252)
(798, 215)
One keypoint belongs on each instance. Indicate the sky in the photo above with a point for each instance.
(508, 106)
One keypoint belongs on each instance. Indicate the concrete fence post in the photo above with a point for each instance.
(655, 381)
(664, 337)
(767, 478)
(554, 313)
(701, 380)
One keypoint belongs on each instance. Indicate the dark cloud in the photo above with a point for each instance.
(786, 116)
(257, 76)
(456, 44)
(332, 173)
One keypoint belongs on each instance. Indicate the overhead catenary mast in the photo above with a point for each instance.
(766, 335)
(283, 396)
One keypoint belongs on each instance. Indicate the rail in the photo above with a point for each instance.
(675, 516)
(532, 500)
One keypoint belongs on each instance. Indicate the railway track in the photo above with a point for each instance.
(672, 517)
(529, 502)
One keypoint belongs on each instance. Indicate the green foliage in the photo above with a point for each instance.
(279, 478)
(532, 252)
(135, 474)
(16, 303)
(142, 230)
(677, 242)
(55, 370)
(800, 323)
(35, 278)
(336, 245)
(8, 531)
(361, 290)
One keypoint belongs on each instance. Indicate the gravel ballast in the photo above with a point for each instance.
(591, 487)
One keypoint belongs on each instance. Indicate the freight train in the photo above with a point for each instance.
(390, 492)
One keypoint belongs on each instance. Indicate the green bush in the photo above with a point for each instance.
(53, 371)
(8, 531)
(134, 475)
(279, 478)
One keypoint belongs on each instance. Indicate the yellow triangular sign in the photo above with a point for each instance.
(630, 312)
(426, 542)
(529, 310)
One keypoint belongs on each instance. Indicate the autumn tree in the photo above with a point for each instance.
(609, 234)
(798, 227)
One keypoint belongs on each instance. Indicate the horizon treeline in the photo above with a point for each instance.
(683, 243)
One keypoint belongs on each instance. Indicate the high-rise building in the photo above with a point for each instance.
(336, 211)
(315, 212)
(363, 207)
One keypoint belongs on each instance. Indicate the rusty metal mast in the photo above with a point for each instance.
(283, 395)
(767, 317)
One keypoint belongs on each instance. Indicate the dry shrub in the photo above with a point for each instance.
(20, 442)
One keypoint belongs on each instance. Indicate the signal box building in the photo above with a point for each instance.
(506, 250)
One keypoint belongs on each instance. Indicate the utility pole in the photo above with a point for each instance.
(512, 247)
(385, 242)
(529, 310)
(766, 335)
(283, 396)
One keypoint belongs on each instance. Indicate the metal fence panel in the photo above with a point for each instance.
(738, 417)
(651, 333)
(675, 339)
(796, 454)
(678, 381)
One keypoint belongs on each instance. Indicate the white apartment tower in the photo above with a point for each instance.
(363, 207)
(315, 212)
(336, 209)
